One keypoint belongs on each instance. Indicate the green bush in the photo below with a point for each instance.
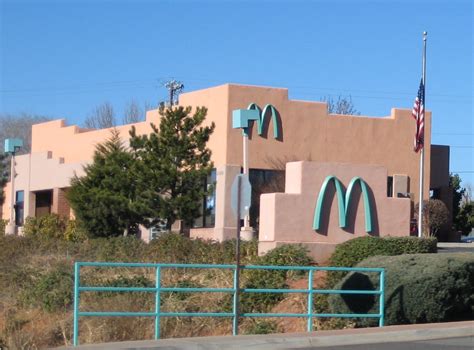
(120, 249)
(350, 253)
(176, 248)
(170, 248)
(53, 290)
(138, 281)
(285, 255)
(75, 232)
(3, 224)
(47, 226)
(261, 327)
(419, 288)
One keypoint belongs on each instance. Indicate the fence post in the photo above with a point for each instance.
(235, 321)
(310, 301)
(382, 298)
(77, 267)
(157, 302)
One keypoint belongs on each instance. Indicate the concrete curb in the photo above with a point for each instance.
(455, 245)
(304, 340)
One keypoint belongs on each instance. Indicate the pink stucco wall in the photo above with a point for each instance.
(309, 133)
(37, 172)
(288, 217)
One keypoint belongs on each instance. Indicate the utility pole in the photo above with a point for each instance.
(174, 87)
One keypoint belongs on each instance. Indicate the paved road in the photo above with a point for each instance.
(464, 343)
(456, 249)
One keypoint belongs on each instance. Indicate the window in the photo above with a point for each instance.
(390, 186)
(157, 230)
(208, 208)
(435, 193)
(44, 200)
(19, 207)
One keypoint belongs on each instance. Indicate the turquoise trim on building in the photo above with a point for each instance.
(340, 202)
(365, 196)
(261, 119)
(235, 314)
(343, 202)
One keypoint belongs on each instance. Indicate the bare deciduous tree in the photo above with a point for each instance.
(19, 126)
(435, 215)
(133, 113)
(15, 126)
(102, 117)
(343, 105)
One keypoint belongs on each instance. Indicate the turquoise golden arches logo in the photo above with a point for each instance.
(343, 202)
(264, 114)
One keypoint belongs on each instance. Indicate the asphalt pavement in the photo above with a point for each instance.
(462, 343)
(445, 247)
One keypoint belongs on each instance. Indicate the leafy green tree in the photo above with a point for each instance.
(465, 218)
(172, 163)
(458, 192)
(104, 199)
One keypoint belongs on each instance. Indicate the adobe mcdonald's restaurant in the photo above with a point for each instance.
(317, 179)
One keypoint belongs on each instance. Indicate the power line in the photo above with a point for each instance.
(307, 90)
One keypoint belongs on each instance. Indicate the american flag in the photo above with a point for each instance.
(419, 114)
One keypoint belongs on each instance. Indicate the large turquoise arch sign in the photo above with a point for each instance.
(343, 201)
(262, 115)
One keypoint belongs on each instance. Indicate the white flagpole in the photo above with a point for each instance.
(422, 154)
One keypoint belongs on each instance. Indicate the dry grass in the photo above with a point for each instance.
(29, 320)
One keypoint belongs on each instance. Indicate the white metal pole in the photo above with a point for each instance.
(246, 171)
(11, 225)
(422, 155)
(420, 206)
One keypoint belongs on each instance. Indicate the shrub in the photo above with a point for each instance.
(176, 248)
(137, 281)
(122, 249)
(285, 255)
(48, 226)
(3, 224)
(261, 327)
(350, 253)
(75, 232)
(419, 288)
(53, 290)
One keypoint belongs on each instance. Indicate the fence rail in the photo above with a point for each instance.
(235, 290)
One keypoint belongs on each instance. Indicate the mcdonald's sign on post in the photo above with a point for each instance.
(318, 211)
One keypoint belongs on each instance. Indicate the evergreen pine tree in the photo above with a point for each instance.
(104, 199)
(172, 164)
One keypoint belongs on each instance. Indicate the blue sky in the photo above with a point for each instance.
(63, 58)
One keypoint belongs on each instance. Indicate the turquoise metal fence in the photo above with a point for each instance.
(235, 314)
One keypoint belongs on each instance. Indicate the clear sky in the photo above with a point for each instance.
(63, 58)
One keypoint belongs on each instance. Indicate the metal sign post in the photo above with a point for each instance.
(241, 192)
(237, 261)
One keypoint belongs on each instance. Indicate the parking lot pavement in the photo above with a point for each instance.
(455, 247)
(462, 343)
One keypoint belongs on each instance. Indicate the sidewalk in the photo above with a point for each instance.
(304, 340)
